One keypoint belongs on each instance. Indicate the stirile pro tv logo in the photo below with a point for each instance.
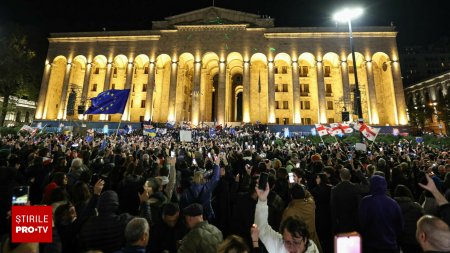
(31, 224)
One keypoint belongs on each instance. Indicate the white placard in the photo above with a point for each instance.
(186, 135)
(361, 146)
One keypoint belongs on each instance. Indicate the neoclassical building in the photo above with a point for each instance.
(428, 94)
(222, 65)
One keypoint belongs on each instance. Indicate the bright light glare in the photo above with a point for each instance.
(347, 14)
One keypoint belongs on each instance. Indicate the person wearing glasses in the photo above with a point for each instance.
(293, 236)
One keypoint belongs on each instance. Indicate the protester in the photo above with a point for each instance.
(202, 237)
(295, 234)
(136, 236)
(380, 218)
(433, 234)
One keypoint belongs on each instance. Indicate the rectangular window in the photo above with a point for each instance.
(146, 70)
(330, 120)
(307, 105)
(277, 89)
(285, 87)
(304, 89)
(328, 88)
(285, 104)
(97, 71)
(144, 87)
(327, 71)
(133, 85)
(90, 117)
(94, 87)
(306, 121)
(275, 70)
(141, 118)
(115, 72)
(284, 70)
(286, 121)
(277, 104)
(329, 105)
(350, 69)
(142, 103)
(277, 120)
(303, 71)
(113, 86)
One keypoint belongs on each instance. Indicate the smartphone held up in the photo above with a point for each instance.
(20, 195)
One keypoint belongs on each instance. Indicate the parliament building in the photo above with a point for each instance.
(221, 65)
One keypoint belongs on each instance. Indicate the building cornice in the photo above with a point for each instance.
(314, 35)
(429, 82)
(211, 27)
(105, 38)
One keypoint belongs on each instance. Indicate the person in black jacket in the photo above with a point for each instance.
(344, 202)
(106, 231)
(411, 212)
(168, 231)
(321, 194)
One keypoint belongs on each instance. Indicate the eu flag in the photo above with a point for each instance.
(109, 102)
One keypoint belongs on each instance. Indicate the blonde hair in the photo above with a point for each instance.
(198, 178)
(233, 244)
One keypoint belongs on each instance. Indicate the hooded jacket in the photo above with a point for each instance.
(380, 217)
(106, 231)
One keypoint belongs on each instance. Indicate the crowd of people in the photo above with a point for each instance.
(240, 190)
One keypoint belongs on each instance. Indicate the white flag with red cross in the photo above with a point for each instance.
(334, 129)
(369, 132)
(346, 128)
(321, 129)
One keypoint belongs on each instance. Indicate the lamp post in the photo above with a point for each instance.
(346, 15)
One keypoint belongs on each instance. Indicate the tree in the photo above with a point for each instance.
(16, 74)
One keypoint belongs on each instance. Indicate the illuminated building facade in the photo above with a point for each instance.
(428, 101)
(222, 65)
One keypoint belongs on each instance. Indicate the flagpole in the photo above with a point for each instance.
(374, 140)
(320, 136)
(117, 130)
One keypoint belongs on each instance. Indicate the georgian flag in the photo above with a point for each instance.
(369, 132)
(321, 129)
(346, 128)
(334, 129)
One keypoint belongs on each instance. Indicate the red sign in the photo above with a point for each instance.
(31, 224)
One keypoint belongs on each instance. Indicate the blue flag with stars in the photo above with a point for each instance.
(109, 102)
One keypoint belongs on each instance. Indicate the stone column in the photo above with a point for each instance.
(246, 92)
(87, 75)
(271, 93)
(221, 93)
(107, 76)
(196, 93)
(373, 112)
(126, 113)
(173, 91)
(399, 95)
(321, 91)
(296, 93)
(63, 102)
(345, 84)
(150, 89)
(43, 92)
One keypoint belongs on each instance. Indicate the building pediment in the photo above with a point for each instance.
(213, 16)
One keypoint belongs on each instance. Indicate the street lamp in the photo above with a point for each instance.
(346, 15)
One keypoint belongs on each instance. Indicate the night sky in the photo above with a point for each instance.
(418, 21)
